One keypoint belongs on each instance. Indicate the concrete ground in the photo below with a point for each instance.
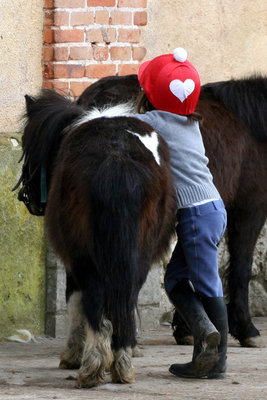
(30, 371)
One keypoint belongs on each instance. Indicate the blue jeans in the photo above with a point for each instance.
(195, 257)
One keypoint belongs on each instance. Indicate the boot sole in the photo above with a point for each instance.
(211, 375)
(207, 359)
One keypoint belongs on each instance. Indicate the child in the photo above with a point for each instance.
(171, 87)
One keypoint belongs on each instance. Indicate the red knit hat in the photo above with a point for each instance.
(171, 82)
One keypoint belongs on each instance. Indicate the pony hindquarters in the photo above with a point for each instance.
(110, 213)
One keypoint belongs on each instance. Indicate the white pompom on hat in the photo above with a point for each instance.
(180, 54)
(171, 82)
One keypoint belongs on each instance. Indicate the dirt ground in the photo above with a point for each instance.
(30, 371)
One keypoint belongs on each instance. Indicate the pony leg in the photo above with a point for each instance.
(97, 355)
(123, 343)
(71, 355)
(244, 227)
(122, 370)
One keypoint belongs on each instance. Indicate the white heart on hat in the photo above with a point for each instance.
(182, 90)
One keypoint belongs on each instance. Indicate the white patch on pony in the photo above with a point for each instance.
(75, 311)
(151, 142)
(119, 110)
(72, 354)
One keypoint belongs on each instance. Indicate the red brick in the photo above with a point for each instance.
(48, 36)
(48, 17)
(69, 3)
(101, 3)
(132, 3)
(47, 84)
(129, 35)
(94, 35)
(61, 53)
(61, 71)
(100, 53)
(82, 18)
(121, 18)
(120, 53)
(128, 69)
(49, 4)
(48, 71)
(68, 71)
(98, 35)
(100, 70)
(81, 53)
(76, 88)
(139, 53)
(61, 87)
(61, 18)
(76, 71)
(140, 18)
(48, 53)
(102, 17)
(69, 35)
(109, 35)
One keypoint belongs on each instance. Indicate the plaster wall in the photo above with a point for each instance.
(21, 27)
(224, 39)
(22, 251)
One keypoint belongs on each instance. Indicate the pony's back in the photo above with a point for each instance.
(246, 98)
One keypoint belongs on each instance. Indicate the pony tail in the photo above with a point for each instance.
(116, 196)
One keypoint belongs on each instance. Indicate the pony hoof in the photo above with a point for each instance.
(127, 378)
(122, 375)
(255, 342)
(185, 341)
(84, 381)
(137, 352)
(122, 370)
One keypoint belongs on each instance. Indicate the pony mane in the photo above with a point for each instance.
(110, 90)
(108, 111)
(246, 98)
(47, 115)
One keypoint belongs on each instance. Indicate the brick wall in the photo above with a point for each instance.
(85, 40)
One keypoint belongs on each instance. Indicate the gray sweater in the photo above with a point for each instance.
(189, 165)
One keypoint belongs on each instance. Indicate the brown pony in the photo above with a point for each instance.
(234, 128)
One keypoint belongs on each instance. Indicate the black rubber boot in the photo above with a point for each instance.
(206, 336)
(216, 310)
(181, 333)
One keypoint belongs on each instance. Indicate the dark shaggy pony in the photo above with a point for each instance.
(110, 214)
(234, 128)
